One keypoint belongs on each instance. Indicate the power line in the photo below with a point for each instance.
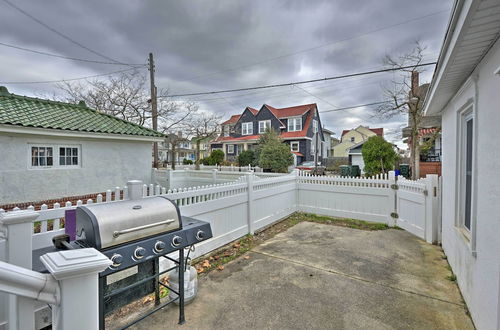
(318, 46)
(354, 106)
(60, 33)
(63, 80)
(66, 57)
(319, 98)
(302, 82)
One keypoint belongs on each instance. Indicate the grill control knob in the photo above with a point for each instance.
(139, 253)
(117, 260)
(200, 235)
(159, 246)
(176, 241)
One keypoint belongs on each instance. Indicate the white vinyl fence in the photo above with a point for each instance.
(175, 179)
(252, 201)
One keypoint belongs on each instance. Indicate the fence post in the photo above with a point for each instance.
(78, 274)
(170, 175)
(250, 216)
(134, 188)
(431, 208)
(296, 173)
(19, 227)
(214, 176)
(392, 216)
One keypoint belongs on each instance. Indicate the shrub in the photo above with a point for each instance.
(216, 157)
(379, 155)
(246, 158)
(186, 161)
(274, 155)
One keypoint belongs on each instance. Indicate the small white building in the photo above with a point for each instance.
(465, 91)
(52, 149)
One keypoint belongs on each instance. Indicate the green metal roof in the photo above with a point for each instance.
(33, 112)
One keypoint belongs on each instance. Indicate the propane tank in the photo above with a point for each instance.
(190, 284)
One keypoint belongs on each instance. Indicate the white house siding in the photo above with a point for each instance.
(478, 276)
(104, 164)
(357, 159)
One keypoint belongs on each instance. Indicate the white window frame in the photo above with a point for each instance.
(55, 156)
(226, 130)
(265, 126)
(315, 126)
(247, 128)
(296, 124)
(295, 143)
(230, 149)
(464, 117)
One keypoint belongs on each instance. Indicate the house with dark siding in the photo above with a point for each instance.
(298, 126)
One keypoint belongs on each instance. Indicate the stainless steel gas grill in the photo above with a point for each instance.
(134, 235)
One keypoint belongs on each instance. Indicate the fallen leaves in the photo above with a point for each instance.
(206, 263)
(220, 267)
(246, 257)
(148, 299)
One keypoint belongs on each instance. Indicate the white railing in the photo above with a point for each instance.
(253, 201)
(230, 168)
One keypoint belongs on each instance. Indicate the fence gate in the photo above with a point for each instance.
(417, 207)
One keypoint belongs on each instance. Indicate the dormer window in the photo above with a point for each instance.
(264, 125)
(315, 126)
(226, 130)
(295, 124)
(247, 128)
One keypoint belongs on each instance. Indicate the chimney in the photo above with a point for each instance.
(414, 83)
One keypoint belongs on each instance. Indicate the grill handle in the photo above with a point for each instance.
(126, 231)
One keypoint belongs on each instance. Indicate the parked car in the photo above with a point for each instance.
(309, 167)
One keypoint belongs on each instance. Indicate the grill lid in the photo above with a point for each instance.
(109, 224)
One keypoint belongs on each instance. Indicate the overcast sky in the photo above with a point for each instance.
(210, 45)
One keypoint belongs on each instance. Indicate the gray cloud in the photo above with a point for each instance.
(197, 43)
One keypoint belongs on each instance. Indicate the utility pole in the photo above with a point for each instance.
(154, 106)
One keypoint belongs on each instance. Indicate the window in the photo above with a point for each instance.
(315, 126)
(230, 148)
(54, 156)
(264, 125)
(68, 156)
(352, 139)
(294, 146)
(42, 157)
(226, 130)
(466, 170)
(247, 128)
(295, 124)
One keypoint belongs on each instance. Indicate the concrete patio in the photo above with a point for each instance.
(316, 276)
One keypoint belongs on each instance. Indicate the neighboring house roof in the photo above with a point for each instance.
(379, 131)
(472, 30)
(278, 113)
(298, 110)
(232, 120)
(297, 153)
(32, 112)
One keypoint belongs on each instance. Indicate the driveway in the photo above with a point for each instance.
(316, 276)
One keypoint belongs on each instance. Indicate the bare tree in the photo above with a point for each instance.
(203, 126)
(406, 96)
(124, 96)
(177, 127)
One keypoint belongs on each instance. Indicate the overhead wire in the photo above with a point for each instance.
(319, 46)
(64, 80)
(67, 57)
(22, 11)
(302, 82)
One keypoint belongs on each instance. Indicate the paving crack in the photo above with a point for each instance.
(356, 278)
